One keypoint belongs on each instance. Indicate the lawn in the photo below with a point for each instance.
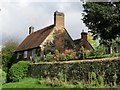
(31, 84)
(25, 83)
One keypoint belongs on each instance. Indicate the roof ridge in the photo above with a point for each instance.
(44, 28)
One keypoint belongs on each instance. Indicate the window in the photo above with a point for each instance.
(18, 55)
(25, 54)
(33, 52)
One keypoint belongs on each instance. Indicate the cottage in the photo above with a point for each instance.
(49, 39)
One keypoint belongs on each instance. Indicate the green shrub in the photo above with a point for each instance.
(57, 52)
(80, 54)
(37, 58)
(113, 54)
(19, 70)
(46, 81)
(62, 57)
(2, 76)
(49, 57)
(69, 57)
(54, 82)
(98, 52)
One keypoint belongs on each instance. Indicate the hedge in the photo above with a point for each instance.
(78, 70)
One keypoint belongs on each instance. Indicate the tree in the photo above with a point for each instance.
(103, 19)
(7, 53)
(91, 41)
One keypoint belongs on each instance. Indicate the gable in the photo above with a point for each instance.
(51, 38)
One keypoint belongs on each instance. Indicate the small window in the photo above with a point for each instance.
(18, 55)
(25, 54)
(33, 52)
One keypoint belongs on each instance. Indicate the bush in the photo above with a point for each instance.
(2, 76)
(80, 54)
(54, 82)
(98, 52)
(70, 54)
(19, 70)
(49, 57)
(62, 57)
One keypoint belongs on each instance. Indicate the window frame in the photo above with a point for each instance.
(25, 54)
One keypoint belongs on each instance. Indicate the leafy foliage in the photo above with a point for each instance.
(8, 53)
(19, 70)
(2, 76)
(95, 72)
(91, 40)
(49, 57)
(103, 19)
(99, 51)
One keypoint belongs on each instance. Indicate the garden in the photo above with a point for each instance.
(73, 68)
(54, 74)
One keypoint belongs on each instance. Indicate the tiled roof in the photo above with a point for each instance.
(35, 39)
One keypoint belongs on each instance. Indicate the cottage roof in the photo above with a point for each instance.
(34, 39)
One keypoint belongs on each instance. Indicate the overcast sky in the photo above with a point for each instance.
(17, 16)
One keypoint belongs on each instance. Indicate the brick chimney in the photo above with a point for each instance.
(84, 36)
(85, 42)
(59, 20)
(31, 29)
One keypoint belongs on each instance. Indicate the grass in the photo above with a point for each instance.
(25, 83)
(30, 83)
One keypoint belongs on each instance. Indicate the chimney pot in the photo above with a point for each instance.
(31, 29)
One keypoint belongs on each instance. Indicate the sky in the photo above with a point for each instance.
(17, 15)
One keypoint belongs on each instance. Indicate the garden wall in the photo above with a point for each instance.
(78, 70)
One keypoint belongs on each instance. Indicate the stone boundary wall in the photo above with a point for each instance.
(78, 69)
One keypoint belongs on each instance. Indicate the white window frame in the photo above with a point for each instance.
(25, 54)
(18, 55)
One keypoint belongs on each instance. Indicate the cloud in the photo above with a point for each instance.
(16, 17)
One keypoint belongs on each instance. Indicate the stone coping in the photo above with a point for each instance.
(86, 60)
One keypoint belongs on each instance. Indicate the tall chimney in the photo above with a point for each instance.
(59, 20)
(59, 31)
(31, 29)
